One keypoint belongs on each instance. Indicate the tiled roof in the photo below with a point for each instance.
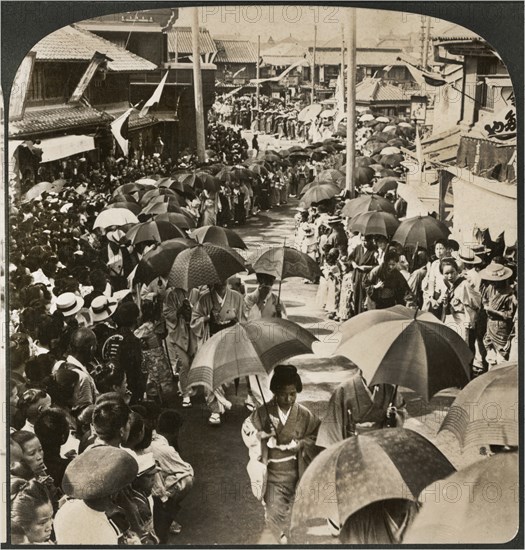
(135, 123)
(74, 44)
(62, 118)
(235, 51)
(457, 33)
(365, 57)
(179, 40)
(376, 91)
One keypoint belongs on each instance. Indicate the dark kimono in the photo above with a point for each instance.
(360, 256)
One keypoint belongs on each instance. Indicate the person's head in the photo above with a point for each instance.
(391, 261)
(441, 249)
(220, 288)
(449, 269)
(421, 259)
(126, 315)
(61, 385)
(19, 350)
(33, 402)
(381, 242)
(169, 424)
(84, 421)
(52, 429)
(38, 369)
(17, 466)
(32, 452)
(83, 344)
(111, 419)
(31, 511)
(109, 377)
(137, 430)
(285, 385)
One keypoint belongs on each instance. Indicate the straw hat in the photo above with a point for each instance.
(495, 272)
(467, 256)
(99, 472)
(102, 308)
(69, 304)
(146, 463)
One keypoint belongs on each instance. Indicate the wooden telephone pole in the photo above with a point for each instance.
(350, 101)
(197, 87)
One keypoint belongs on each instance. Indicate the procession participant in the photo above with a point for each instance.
(216, 310)
(282, 436)
(102, 324)
(419, 272)
(385, 285)
(433, 283)
(181, 341)
(355, 407)
(362, 260)
(337, 237)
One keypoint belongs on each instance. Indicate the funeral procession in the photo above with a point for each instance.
(261, 281)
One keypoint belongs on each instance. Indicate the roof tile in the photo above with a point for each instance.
(235, 51)
(179, 40)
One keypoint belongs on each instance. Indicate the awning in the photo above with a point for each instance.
(500, 82)
(65, 146)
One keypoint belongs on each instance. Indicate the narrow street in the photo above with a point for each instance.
(221, 509)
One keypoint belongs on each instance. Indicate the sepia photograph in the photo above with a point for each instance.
(260, 274)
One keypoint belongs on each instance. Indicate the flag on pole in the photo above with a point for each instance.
(239, 72)
(155, 98)
(119, 129)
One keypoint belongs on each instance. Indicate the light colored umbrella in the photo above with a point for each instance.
(404, 125)
(477, 505)
(383, 119)
(407, 348)
(114, 217)
(154, 231)
(247, 349)
(147, 181)
(391, 150)
(393, 463)
(366, 118)
(486, 411)
(319, 193)
(309, 112)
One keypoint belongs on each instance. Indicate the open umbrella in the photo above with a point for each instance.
(366, 118)
(123, 198)
(391, 150)
(220, 236)
(319, 193)
(486, 411)
(309, 112)
(154, 208)
(176, 186)
(147, 181)
(391, 161)
(316, 183)
(251, 348)
(272, 157)
(331, 176)
(363, 161)
(403, 347)
(296, 149)
(374, 223)
(367, 203)
(128, 188)
(258, 169)
(380, 465)
(154, 231)
(477, 505)
(114, 217)
(131, 206)
(363, 175)
(207, 182)
(180, 219)
(205, 264)
(284, 261)
(383, 185)
(421, 231)
(149, 196)
(43, 187)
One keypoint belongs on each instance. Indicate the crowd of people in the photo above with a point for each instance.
(96, 365)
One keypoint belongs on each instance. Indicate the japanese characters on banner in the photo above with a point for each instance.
(503, 126)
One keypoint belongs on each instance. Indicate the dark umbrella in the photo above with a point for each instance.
(331, 176)
(205, 264)
(158, 262)
(380, 465)
(154, 231)
(319, 193)
(207, 182)
(217, 235)
(180, 219)
(391, 161)
(374, 223)
(367, 203)
(177, 186)
(383, 185)
(258, 169)
(400, 346)
(493, 420)
(128, 188)
(363, 175)
(149, 196)
(295, 149)
(156, 208)
(421, 231)
(123, 198)
(332, 186)
(363, 161)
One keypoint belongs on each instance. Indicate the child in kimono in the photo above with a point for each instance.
(281, 435)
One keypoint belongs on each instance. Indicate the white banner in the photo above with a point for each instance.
(65, 146)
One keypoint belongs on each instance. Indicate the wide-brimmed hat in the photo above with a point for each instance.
(467, 256)
(332, 220)
(116, 236)
(69, 304)
(479, 249)
(146, 463)
(99, 472)
(495, 272)
(102, 308)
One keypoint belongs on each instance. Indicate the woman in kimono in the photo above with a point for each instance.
(362, 260)
(281, 435)
(180, 341)
(355, 408)
(216, 310)
(209, 208)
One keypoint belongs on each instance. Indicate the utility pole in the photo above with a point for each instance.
(258, 73)
(350, 100)
(313, 64)
(342, 60)
(197, 87)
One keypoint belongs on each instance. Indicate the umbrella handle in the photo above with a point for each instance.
(266, 407)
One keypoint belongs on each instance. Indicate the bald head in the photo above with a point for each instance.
(83, 343)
